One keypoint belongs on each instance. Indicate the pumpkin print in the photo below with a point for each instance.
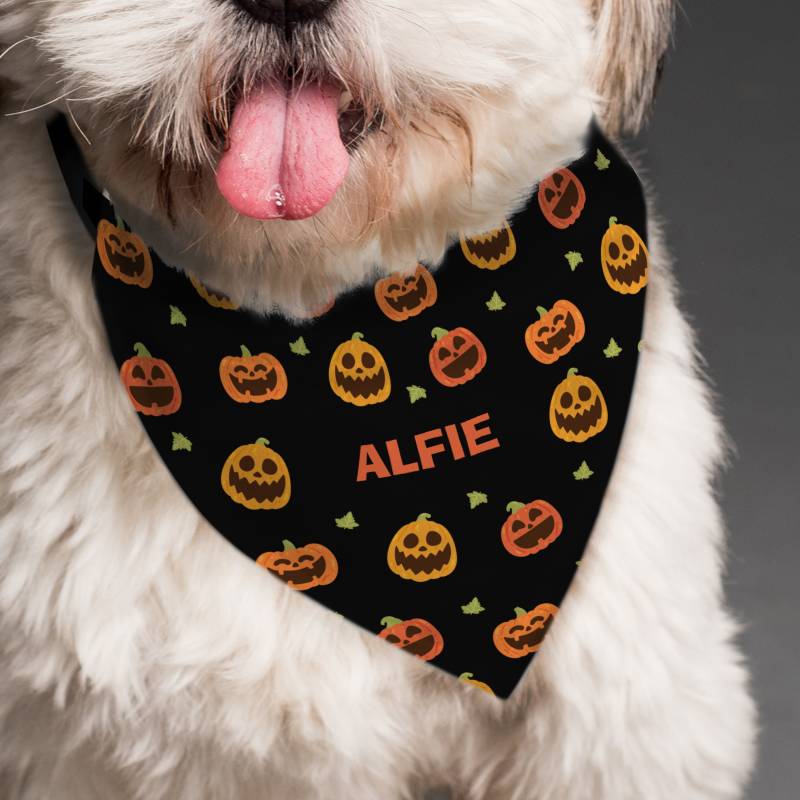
(467, 677)
(422, 551)
(577, 409)
(556, 332)
(253, 379)
(124, 255)
(216, 299)
(402, 296)
(415, 636)
(490, 250)
(256, 477)
(524, 635)
(358, 373)
(561, 198)
(530, 527)
(301, 567)
(456, 357)
(151, 384)
(624, 257)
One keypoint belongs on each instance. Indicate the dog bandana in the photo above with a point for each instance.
(428, 456)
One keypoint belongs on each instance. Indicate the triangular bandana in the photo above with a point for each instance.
(428, 456)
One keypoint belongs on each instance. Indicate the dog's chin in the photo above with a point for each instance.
(282, 177)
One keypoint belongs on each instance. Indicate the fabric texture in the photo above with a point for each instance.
(428, 455)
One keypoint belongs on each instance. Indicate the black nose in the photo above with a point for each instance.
(284, 12)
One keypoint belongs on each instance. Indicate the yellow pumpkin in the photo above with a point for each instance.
(422, 551)
(577, 408)
(216, 299)
(490, 250)
(467, 677)
(358, 373)
(257, 477)
(624, 257)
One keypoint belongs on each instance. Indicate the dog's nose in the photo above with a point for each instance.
(284, 12)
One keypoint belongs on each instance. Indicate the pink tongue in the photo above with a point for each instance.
(285, 155)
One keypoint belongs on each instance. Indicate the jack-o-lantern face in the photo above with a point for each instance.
(577, 409)
(456, 357)
(403, 296)
(422, 551)
(415, 636)
(253, 379)
(530, 527)
(524, 635)
(490, 250)
(124, 255)
(216, 299)
(468, 677)
(556, 332)
(358, 373)
(301, 567)
(151, 384)
(256, 477)
(624, 257)
(561, 198)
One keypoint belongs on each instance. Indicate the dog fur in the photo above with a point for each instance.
(142, 656)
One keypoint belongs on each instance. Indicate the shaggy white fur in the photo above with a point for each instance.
(142, 656)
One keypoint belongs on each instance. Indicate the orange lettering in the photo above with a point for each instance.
(426, 451)
(455, 442)
(472, 433)
(369, 461)
(396, 460)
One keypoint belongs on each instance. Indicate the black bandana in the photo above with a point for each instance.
(428, 456)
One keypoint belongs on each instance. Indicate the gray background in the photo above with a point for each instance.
(720, 152)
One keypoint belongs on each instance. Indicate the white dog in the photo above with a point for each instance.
(142, 656)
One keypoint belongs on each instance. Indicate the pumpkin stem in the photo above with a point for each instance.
(514, 506)
(465, 676)
(245, 352)
(387, 622)
(612, 221)
(119, 222)
(438, 333)
(572, 371)
(357, 336)
(141, 350)
(542, 311)
(262, 440)
(520, 612)
(423, 516)
(287, 545)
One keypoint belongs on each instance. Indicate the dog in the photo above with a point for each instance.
(144, 657)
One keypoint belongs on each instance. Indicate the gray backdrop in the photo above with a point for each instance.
(721, 154)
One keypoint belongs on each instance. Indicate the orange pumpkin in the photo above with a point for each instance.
(524, 635)
(151, 384)
(456, 357)
(301, 567)
(402, 296)
(556, 332)
(124, 255)
(415, 636)
(530, 527)
(253, 379)
(467, 677)
(561, 198)
(215, 299)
